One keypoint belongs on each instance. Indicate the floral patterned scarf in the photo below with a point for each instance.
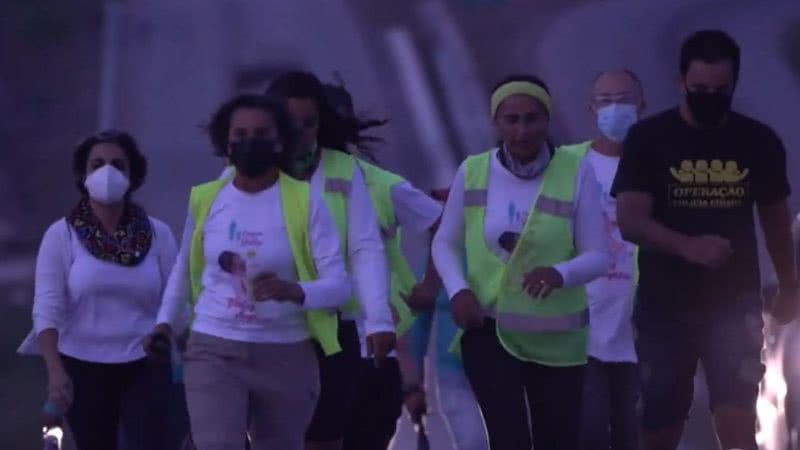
(127, 246)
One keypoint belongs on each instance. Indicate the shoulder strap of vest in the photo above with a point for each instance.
(201, 194)
(476, 171)
(297, 216)
(375, 174)
(579, 149)
(337, 164)
(559, 178)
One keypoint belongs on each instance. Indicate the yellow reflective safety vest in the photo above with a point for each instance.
(551, 331)
(380, 183)
(295, 196)
(338, 169)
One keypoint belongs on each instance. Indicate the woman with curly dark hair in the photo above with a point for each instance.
(261, 265)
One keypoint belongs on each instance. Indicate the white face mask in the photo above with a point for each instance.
(615, 120)
(107, 185)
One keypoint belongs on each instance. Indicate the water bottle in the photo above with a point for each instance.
(163, 349)
(51, 426)
(52, 438)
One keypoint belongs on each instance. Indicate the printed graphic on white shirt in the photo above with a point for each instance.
(622, 253)
(517, 217)
(242, 275)
(235, 266)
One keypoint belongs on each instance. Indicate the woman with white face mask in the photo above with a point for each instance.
(100, 272)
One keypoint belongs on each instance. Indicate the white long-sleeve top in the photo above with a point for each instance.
(244, 236)
(368, 265)
(101, 310)
(415, 211)
(508, 205)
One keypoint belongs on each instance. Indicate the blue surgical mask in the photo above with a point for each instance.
(615, 120)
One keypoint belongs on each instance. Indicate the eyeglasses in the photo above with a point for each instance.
(627, 98)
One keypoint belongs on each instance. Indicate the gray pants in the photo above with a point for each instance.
(269, 390)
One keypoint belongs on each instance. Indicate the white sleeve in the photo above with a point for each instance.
(368, 264)
(448, 244)
(176, 301)
(591, 240)
(50, 282)
(167, 254)
(415, 210)
(332, 287)
(167, 249)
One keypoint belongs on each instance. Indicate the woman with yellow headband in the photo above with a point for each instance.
(529, 219)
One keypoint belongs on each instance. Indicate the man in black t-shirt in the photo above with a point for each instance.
(686, 187)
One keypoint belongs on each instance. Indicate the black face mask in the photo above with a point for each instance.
(254, 157)
(708, 108)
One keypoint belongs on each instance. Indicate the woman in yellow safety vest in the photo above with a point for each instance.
(529, 219)
(261, 262)
(334, 175)
(399, 205)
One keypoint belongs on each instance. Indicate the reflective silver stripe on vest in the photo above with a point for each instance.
(390, 232)
(337, 185)
(554, 206)
(537, 324)
(475, 197)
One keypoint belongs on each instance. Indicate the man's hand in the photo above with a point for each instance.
(707, 250)
(467, 310)
(380, 344)
(268, 286)
(784, 306)
(542, 281)
(415, 400)
(421, 298)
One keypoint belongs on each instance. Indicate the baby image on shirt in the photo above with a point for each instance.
(242, 300)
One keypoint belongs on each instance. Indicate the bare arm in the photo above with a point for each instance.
(776, 223)
(431, 279)
(48, 344)
(411, 371)
(637, 225)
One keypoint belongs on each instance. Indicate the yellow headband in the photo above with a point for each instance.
(519, 87)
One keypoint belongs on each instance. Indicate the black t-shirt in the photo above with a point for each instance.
(703, 181)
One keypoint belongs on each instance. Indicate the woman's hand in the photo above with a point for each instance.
(421, 298)
(59, 387)
(542, 281)
(268, 286)
(467, 310)
(157, 345)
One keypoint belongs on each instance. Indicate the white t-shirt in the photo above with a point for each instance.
(509, 200)
(101, 310)
(611, 296)
(244, 236)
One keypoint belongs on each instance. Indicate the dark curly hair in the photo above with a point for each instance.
(335, 130)
(137, 163)
(273, 105)
(340, 99)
